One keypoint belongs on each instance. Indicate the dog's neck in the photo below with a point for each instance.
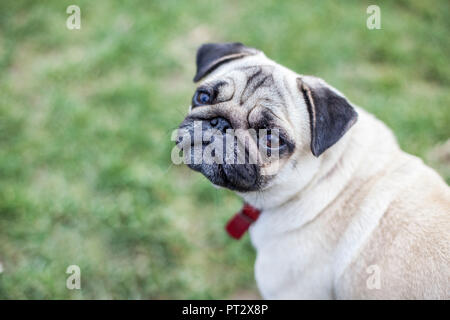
(293, 182)
(299, 195)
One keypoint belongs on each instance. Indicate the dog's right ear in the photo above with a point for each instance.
(212, 55)
(330, 114)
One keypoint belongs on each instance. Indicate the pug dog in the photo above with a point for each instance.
(346, 214)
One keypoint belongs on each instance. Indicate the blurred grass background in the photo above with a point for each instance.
(86, 118)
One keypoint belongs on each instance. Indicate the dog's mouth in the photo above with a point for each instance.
(228, 166)
(236, 177)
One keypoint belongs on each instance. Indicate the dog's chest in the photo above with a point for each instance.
(291, 266)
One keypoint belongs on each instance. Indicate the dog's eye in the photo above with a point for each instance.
(201, 98)
(273, 140)
(269, 140)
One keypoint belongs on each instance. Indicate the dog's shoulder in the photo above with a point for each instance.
(411, 241)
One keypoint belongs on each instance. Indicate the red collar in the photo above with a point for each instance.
(242, 220)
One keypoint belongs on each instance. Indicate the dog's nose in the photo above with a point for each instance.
(220, 124)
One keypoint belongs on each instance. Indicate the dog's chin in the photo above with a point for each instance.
(236, 177)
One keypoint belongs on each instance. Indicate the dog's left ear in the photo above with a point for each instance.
(330, 114)
(212, 55)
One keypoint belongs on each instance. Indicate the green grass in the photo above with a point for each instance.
(86, 117)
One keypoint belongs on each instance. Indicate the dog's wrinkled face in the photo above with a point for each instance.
(251, 109)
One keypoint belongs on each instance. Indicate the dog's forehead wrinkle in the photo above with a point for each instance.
(259, 86)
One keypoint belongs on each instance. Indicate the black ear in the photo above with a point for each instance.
(212, 55)
(330, 114)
